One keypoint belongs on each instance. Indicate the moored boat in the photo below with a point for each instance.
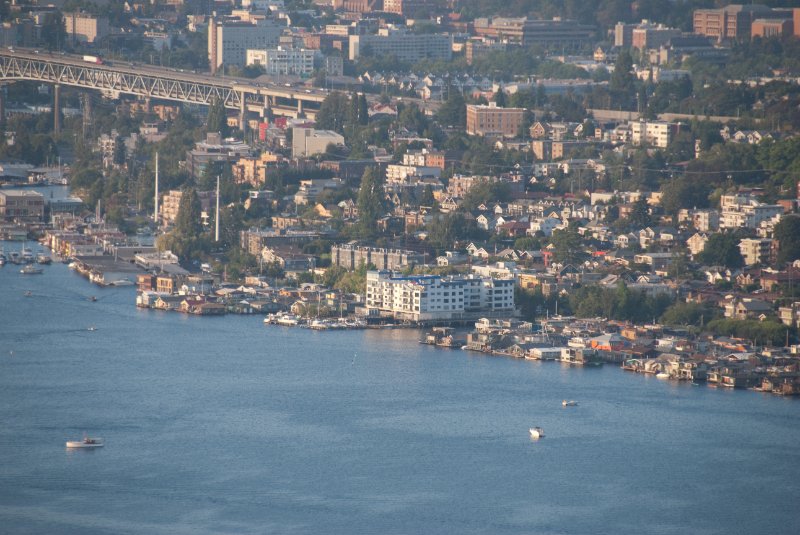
(569, 403)
(536, 432)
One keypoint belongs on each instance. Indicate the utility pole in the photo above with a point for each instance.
(216, 217)
(155, 211)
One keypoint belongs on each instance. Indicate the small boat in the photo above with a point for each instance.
(91, 328)
(13, 257)
(31, 270)
(662, 375)
(27, 255)
(569, 403)
(288, 320)
(42, 258)
(536, 432)
(87, 442)
(28, 293)
(92, 299)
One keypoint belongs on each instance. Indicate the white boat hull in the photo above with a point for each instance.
(82, 444)
(536, 432)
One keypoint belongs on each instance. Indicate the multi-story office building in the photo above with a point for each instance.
(85, 28)
(410, 8)
(23, 205)
(214, 149)
(283, 61)
(475, 48)
(491, 120)
(643, 35)
(307, 141)
(405, 46)
(733, 21)
(435, 298)
(351, 256)
(554, 33)
(228, 42)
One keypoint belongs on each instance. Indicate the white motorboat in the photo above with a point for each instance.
(87, 442)
(536, 432)
(662, 375)
(31, 270)
(120, 282)
(27, 256)
(288, 320)
(569, 403)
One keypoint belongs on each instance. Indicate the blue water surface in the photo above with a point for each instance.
(225, 425)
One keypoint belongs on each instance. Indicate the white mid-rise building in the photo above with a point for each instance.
(655, 133)
(744, 211)
(308, 141)
(229, 42)
(283, 61)
(405, 46)
(432, 297)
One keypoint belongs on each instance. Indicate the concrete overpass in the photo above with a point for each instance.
(114, 78)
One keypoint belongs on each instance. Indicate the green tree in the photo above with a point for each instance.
(623, 83)
(370, 203)
(363, 110)
(567, 246)
(217, 118)
(453, 111)
(188, 223)
(684, 192)
(787, 232)
(639, 216)
(722, 249)
(334, 112)
(500, 97)
(119, 151)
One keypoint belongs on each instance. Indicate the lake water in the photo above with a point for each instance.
(225, 425)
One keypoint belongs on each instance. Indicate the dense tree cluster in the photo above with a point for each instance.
(620, 303)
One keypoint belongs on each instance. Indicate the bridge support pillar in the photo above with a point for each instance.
(299, 108)
(2, 103)
(87, 114)
(243, 113)
(57, 109)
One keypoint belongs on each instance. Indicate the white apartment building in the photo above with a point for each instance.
(85, 28)
(283, 61)
(432, 297)
(756, 251)
(228, 42)
(308, 141)
(743, 211)
(403, 45)
(396, 173)
(655, 133)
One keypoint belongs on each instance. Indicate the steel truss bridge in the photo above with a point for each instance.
(147, 82)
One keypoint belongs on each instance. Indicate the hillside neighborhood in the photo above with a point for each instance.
(589, 186)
